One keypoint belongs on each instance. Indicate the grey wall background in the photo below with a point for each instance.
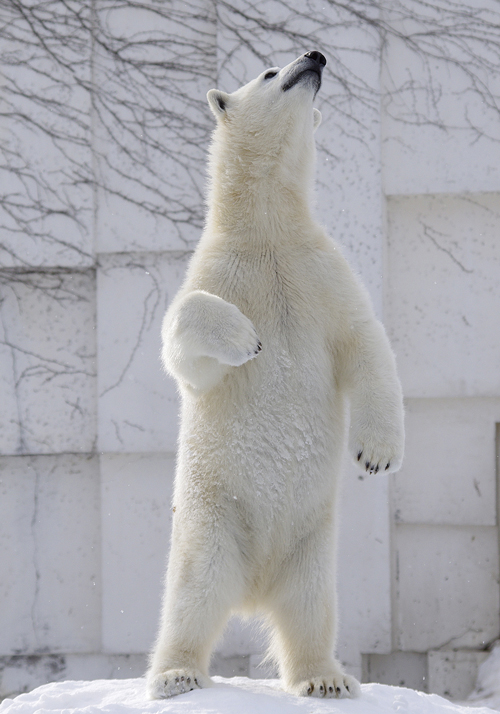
(103, 133)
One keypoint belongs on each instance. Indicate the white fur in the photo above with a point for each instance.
(262, 431)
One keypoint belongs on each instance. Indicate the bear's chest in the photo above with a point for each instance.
(281, 293)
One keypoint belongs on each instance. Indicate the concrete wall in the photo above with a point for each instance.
(88, 421)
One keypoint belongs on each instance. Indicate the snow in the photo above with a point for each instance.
(238, 695)
(487, 691)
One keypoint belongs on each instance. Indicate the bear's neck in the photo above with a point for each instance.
(264, 199)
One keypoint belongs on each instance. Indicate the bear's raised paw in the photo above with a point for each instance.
(176, 681)
(238, 341)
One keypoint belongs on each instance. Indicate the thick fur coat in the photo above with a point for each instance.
(274, 344)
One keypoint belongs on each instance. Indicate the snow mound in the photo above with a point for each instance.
(238, 695)
(487, 691)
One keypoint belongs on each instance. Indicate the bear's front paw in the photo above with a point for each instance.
(333, 686)
(373, 458)
(175, 681)
(238, 342)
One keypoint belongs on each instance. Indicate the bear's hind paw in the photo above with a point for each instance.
(336, 686)
(176, 681)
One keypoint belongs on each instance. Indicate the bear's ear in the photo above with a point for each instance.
(316, 118)
(218, 102)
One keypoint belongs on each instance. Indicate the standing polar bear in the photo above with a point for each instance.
(273, 343)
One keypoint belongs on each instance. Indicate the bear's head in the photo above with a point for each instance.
(264, 133)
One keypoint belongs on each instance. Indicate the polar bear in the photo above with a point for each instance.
(274, 344)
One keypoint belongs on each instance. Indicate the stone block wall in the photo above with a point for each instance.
(442, 268)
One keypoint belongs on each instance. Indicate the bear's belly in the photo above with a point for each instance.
(265, 446)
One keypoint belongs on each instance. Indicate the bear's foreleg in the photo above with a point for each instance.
(376, 434)
(203, 336)
(203, 583)
(304, 618)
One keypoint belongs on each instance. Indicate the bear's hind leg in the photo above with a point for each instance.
(202, 586)
(303, 614)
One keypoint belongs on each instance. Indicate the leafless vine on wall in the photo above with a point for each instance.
(108, 96)
(104, 122)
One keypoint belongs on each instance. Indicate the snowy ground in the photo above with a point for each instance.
(238, 695)
(487, 691)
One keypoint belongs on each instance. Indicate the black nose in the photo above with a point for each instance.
(317, 57)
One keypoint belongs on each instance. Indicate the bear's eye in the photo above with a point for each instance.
(271, 74)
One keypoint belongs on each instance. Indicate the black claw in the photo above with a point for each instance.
(367, 465)
(330, 689)
(196, 681)
(188, 680)
(387, 465)
(310, 689)
(338, 690)
(360, 454)
(376, 469)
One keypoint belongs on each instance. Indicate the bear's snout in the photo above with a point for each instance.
(317, 57)
(307, 68)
